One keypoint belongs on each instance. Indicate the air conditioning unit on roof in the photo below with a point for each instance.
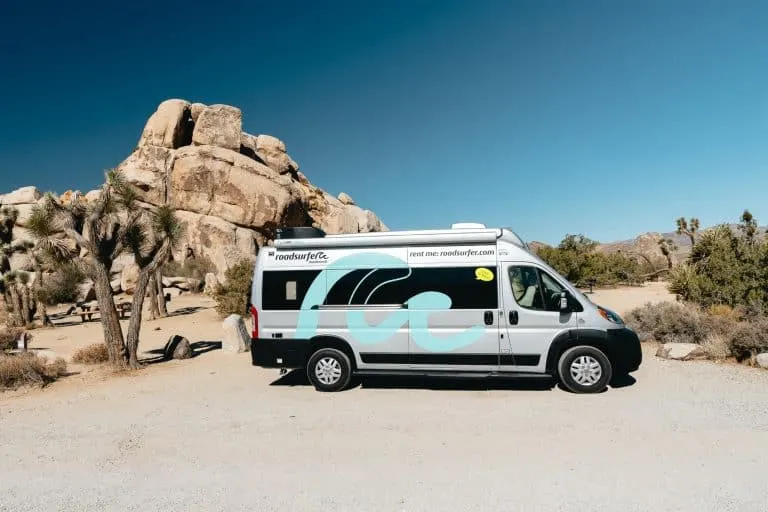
(467, 225)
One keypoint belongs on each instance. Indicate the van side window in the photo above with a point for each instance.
(534, 289)
(387, 286)
(285, 289)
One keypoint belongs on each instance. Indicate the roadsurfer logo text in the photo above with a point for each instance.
(309, 257)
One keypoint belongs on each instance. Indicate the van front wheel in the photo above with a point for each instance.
(584, 369)
(329, 370)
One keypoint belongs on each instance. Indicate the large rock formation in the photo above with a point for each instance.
(230, 189)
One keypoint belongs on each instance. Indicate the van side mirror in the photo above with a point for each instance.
(564, 303)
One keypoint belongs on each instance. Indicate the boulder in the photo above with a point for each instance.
(222, 183)
(175, 282)
(193, 285)
(195, 110)
(345, 199)
(128, 278)
(172, 293)
(211, 284)
(762, 360)
(116, 285)
(86, 292)
(271, 151)
(92, 196)
(170, 126)
(122, 261)
(681, 351)
(21, 261)
(24, 195)
(210, 237)
(147, 169)
(177, 347)
(219, 125)
(236, 338)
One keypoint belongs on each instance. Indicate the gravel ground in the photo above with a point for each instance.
(212, 433)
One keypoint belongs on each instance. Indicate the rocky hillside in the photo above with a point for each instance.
(231, 189)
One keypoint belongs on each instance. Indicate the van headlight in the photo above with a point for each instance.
(610, 315)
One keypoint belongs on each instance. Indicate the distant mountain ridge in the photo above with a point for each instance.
(646, 245)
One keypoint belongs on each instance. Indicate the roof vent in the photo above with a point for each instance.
(300, 232)
(467, 225)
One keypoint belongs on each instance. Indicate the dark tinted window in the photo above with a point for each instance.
(285, 289)
(396, 286)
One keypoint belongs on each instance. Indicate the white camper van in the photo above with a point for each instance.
(466, 301)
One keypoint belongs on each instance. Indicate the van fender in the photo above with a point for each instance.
(571, 338)
(329, 341)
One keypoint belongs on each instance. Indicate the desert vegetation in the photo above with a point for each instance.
(723, 294)
(579, 261)
(232, 296)
(90, 235)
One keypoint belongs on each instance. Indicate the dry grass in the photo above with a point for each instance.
(28, 369)
(92, 354)
(717, 346)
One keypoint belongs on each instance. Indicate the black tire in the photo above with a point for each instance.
(332, 359)
(590, 355)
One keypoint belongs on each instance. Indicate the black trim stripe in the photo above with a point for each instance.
(458, 359)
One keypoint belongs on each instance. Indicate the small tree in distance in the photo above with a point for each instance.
(688, 228)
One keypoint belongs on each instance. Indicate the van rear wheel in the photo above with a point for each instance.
(329, 369)
(584, 369)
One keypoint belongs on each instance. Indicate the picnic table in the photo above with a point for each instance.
(87, 310)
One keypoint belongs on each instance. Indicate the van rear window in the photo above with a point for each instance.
(285, 289)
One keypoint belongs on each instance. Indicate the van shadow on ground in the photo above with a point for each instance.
(299, 378)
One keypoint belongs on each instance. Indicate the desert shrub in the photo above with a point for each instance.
(29, 369)
(724, 268)
(9, 337)
(195, 268)
(62, 286)
(669, 322)
(92, 354)
(749, 339)
(717, 346)
(578, 260)
(232, 296)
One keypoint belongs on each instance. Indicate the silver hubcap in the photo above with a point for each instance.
(328, 370)
(586, 370)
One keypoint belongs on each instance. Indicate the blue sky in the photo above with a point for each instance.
(551, 117)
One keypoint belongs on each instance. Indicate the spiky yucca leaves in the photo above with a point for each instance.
(93, 235)
(151, 240)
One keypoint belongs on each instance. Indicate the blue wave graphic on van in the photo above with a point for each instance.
(423, 304)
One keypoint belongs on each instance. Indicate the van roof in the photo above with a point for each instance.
(462, 235)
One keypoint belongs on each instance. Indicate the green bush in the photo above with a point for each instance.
(725, 268)
(578, 260)
(63, 286)
(232, 296)
(194, 268)
(670, 322)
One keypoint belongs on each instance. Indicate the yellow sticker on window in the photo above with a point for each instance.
(483, 274)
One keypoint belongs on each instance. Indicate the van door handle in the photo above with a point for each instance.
(513, 318)
(488, 317)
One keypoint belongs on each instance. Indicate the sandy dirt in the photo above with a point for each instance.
(215, 433)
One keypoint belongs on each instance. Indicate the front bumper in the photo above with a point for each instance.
(625, 352)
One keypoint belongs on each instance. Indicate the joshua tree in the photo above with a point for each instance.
(748, 226)
(688, 228)
(667, 247)
(150, 240)
(100, 232)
